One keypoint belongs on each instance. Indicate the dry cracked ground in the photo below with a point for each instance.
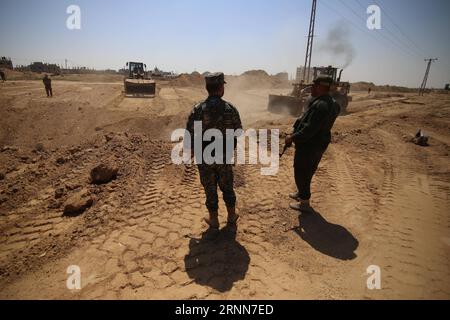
(379, 200)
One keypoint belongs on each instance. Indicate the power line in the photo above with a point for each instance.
(395, 37)
(378, 31)
(400, 29)
(423, 51)
(365, 31)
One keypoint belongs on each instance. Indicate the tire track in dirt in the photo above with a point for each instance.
(410, 222)
(158, 250)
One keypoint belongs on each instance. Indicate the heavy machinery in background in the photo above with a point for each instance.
(137, 83)
(296, 102)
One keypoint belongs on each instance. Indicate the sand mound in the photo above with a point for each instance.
(256, 79)
(253, 79)
(187, 80)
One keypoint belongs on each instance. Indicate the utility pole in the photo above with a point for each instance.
(309, 47)
(425, 79)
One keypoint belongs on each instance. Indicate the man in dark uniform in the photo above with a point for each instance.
(2, 75)
(312, 135)
(48, 86)
(215, 113)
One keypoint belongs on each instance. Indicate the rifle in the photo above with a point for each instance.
(286, 146)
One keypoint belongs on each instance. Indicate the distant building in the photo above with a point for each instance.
(299, 74)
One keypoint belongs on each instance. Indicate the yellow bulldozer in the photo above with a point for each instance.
(296, 102)
(136, 82)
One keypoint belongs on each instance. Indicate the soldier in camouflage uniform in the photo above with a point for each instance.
(215, 113)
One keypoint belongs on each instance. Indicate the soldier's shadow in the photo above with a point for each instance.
(330, 239)
(216, 259)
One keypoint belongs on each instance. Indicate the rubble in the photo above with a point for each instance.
(78, 203)
(103, 173)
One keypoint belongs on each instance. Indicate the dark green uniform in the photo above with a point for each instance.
(215, 113)
(312, 135)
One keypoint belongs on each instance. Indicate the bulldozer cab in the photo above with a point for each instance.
(329, 71)
(136, 70)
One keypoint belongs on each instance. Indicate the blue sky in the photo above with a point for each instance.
(232, 36)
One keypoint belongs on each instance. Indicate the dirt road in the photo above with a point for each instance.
(379, 200)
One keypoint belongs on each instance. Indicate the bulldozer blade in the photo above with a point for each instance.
(285, 104)
(140, 88)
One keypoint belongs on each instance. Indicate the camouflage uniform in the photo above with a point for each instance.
(215, 113)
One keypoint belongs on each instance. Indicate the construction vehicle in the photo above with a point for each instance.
(296, 102)
(136, 82)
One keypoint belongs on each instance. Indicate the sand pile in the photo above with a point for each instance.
(187, 80)
(256, 79)
(253, 79)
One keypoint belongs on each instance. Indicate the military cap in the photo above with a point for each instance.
(215, 78)
(324, 80)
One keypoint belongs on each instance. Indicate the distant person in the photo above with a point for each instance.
(370, 90)
(216, 113)
(312, 135)
(48, 86)
(3, 76)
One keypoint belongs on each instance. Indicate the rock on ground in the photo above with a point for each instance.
(103, 173)
(78, 203)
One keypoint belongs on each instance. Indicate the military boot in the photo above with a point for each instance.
(294, 196)
(303, 206)
(212, 220)
(232, 215)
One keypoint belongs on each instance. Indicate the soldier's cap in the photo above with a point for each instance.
(215, 78)
(324, 80)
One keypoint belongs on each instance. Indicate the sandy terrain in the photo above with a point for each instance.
(380, 200)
